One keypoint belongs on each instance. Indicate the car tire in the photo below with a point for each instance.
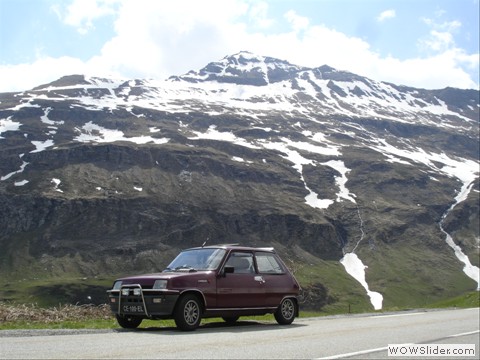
(188, 313)
(285, 313)
(128, 322)
(230, 319)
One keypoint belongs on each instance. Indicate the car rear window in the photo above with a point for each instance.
(268, 264)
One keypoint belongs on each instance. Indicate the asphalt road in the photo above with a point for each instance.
(354, 336)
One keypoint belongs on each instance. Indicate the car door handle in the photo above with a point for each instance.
(260, 279)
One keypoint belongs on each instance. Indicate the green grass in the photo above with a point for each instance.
(414, 276)
(83, 317)
(50, 292)
(112, 323)
(83, 324)
(91, 317)
(469, 300)
(344, 294)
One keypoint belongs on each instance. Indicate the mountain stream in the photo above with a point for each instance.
(355, 268)
(470, 270)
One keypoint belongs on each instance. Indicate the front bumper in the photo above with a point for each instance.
(131, 299)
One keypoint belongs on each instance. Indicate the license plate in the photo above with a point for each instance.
(133, 309)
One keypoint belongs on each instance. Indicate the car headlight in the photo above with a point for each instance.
(117, 285)
(137, 291)
(160, 284)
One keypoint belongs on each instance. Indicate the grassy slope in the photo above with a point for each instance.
(416, 276)
(407, 277)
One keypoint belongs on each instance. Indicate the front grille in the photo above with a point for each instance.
(132, 299)
(128, 302)
(132, 286)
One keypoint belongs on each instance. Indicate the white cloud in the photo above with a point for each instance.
(387, 14)
(436, 72)
(156, 39)
(441, 36)
(449, 26)
(160, 38)
(43, 70)
(298, 22)
(81, 13)
(258, 12)
(437, 41)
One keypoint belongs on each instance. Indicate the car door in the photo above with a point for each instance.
(276, 281)
(242, 288)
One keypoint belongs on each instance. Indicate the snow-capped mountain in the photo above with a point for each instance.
(330, 167)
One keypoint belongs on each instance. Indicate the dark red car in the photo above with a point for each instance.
(226, 281)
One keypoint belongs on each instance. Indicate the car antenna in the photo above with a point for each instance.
(204, 243)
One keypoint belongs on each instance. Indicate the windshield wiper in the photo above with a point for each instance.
(185, 268)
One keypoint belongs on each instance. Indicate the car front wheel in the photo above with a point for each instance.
(128, 322)
(188, 313)
(286, 312)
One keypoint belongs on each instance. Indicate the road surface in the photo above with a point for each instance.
(349, 336)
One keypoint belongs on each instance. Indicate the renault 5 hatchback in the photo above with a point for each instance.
(226, 281)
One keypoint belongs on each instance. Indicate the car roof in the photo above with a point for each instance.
(235, 247)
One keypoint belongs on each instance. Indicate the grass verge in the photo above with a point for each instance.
(31, 316)
(470, 300)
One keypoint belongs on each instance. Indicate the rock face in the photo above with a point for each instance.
(99, 176)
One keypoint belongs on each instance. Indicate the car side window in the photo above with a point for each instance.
(268, 264)
(241, 262)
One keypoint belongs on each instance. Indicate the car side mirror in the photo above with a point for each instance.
(228, 270)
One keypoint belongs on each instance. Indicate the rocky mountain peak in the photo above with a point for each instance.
(64, 81)
(244, 68)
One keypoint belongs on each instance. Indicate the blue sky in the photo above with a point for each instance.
(420, 43)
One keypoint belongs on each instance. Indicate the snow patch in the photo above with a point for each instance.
(22, 167)
(91, 132)
(355, 268)
(44, 118)
(213, 134)
(56, 182)
(239, 159)
(313, 200)
(42, 145)
(8, 125)
(20, 183)
(341, 180)
(298, 161)
(463, 169)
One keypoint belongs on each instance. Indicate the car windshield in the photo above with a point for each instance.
(197, 259)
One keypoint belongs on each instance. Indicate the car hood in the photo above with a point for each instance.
(149, 279)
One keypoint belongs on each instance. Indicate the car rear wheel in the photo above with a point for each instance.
(286, 312)
(188, 313)
(128, 322)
